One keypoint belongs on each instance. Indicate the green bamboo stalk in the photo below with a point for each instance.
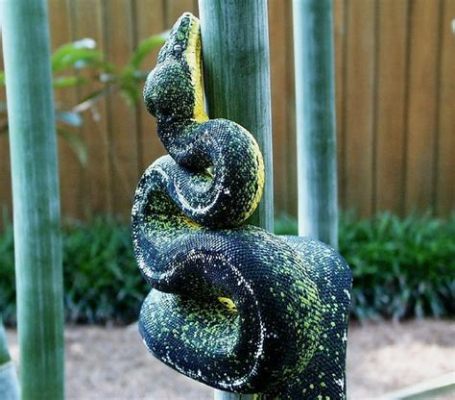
(34, 172)
(220, 395)
(315, 106)
(235, 40)
(428, 389)
(9, 386)
(235, 43)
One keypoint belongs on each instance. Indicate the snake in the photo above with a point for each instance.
(231, 305)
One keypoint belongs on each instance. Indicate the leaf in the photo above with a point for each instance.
(68, 81)
(145, 47)
(79, 54)
(2, 78)
(75, 58)
(129, 86)
(131, 95)
(76, 144)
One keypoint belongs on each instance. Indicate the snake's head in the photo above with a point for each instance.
(179, 38)
(174, 88)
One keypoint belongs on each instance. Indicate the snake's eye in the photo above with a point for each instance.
(177, 49)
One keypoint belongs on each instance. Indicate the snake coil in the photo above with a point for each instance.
(231, 305)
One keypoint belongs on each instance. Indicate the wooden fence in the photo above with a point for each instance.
(395, 84)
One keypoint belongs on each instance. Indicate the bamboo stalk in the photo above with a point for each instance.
(235, 41)
(9, 387)
(428, 389)
(220, 395)
(35, 197)
(315, 104)
(235, 45)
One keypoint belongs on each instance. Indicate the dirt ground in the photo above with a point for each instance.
(112, 363)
